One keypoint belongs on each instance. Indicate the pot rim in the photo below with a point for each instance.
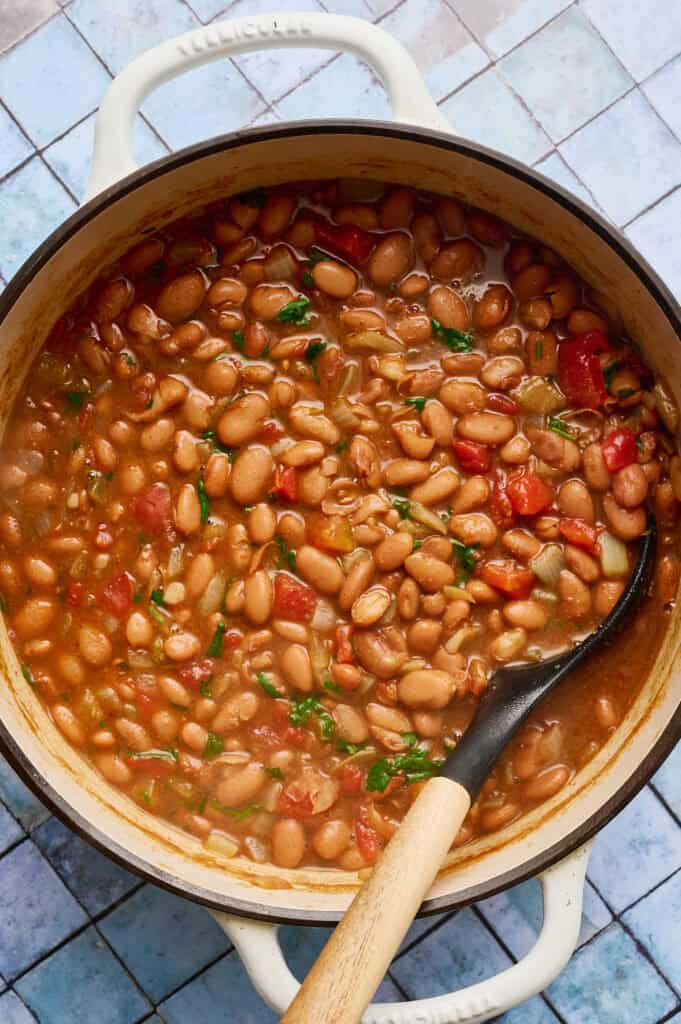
(650, 280)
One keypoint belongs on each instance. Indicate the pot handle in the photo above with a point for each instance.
(562, 890)
(113, 157)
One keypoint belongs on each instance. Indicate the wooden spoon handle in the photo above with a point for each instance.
(350, 967)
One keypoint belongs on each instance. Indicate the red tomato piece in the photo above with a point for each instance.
(347, 240)
(75, 592)
(502, 403)
(294, 802)
(293, 600)
(266, 737)
(528, 494)
(580, 533)
(152, 767)
(619, 449)
(366, 838)
(231, 640)
(103, 539)
(117, 595)
(343, 643)
(285, 486)
(295, 735)
(152, 509)
(473, 457)
(196, 672)
(270, 431)
(508, 577)
(500, 508)
(147, 705)
(351, 779)
(579, 369)
(331, 533)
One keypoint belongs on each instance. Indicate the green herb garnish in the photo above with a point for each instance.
(295, 312)
(350, 748)
(418, 403)
(538, 349)
(137, 597)
(239, 815)
(403, 506)
(269, 688)
(640, 445)
(342, 445)
(238, 339)
(302, 709)
(28, 675)
(610, 371)
(205, 687)
(204, 504)
(456, 341)
(416, 545)
(157, 597)
(218, 446)
(625, 392)
(171, 756)
(214, 746)
(286, 557)
(312, 352)
(410, 738)
(156, 615)
(254, 197)
(465, 557)
(215, 646)
(75, 400)
(328, 684)
(276, 773)
(415, 766)
(559, 427)
(157, 269)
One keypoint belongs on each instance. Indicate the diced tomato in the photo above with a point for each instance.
(619, 449)
(293, 600)
(103, 539)
(196, 672)
(343, 643)
(367, 841)
(266, 737)
(285, 486)
(347, 240)
(295, 735)
(231, 639)
(152, 509)
(330, 533)
(152, 767)
(500, 508)
(473, 457)
(502, 403)
(508, 577)
(270, 431)
(580, 533)
(75, 592)
(147, 705)
(294, 802)
(118, 594)
(351, 779)
(529, 494)
(579, 369)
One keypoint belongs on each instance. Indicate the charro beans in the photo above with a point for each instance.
(328, 459)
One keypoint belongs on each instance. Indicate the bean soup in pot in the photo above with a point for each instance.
(294, 477)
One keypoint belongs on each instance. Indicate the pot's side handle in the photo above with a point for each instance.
(562, 889)
(409, 97)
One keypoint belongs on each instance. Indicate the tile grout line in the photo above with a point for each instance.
(19, 42)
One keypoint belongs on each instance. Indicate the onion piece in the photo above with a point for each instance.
(324, 618)
(280, 264)
(220, 842)
(343, 415)
(175, 562)
(427, 517)
(372, 341)
(349, 379)
(539, 395)
(614, 556)
(320, 656)
(211, 598)
(548, 564)
(342, 497)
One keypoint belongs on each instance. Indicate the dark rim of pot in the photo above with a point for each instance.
(438, 140)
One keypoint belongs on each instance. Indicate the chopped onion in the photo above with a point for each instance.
(391, 367)
(110, 622)
(539, 395)
(211, 599)
(320, 656)
(175, 561)
(256, 850)
(458, 639)
(349, 379)
(427, 517)
(270, 796)
(614, 556)
(30, 460)
(666, 406)
(138, 659)
(372, 341)
(324, 618)
(343, 415)
(548, 564)
(220, 842)
(280, 264)
(342, 497)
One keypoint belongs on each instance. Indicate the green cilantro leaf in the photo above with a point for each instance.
(625, 392)
(559, 427)
(342, 445)
(328, 684)
(213, 747)
(286, 557)
(295, 312)
(75, 400)
(538, 349)
(205, 688)
(418, 403)
(215, 646)
(28, 675)
(238, 339)
(414, 765)
(204, 504)
(302, 709)
(312, 353)
(465, 556)
(403, 506)
(240, 814)
(218, 446)
(157, 597)
(269, 688)
(456, 341)
(610, 371)
(276, 773)
(350, 748)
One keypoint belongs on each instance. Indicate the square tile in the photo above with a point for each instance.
(94, 880)
(70, 156)
(626, 157)
(45, 100)
(502, 24)
(38, 911)
(345, 88)
(32, 204)
(17, 20)
(655, 922)
(486, 111)
(460, 953)
(667, 780)
(584, 76)
(635, 852)
(663, 91)
(122, 30)
(276, 72)
(516, 916)
(354, 8)
(14, 146)
(149, 929)
(534, 1011)
(205, 998)
(25, 807)
(554, 167)
(219, 98)
(82, 981)
(443, 49)
(206, 10)
(13, 1011)
(643, 35)
(11, 831)
(420, 927)
(609, 982)
(656, 233)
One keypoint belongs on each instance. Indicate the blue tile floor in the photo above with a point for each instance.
(586, 90)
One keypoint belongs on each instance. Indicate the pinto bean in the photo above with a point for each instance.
(606, 715)
(243, 419)
(437, 488)
(408, 599)
(575, 501)
(288, 843)
(439, 424)
(546, 783)
(424, 636)
(430, 573)
(181, 297)
(462, 396)
(581, 564)
(493, 308)
(336, 280)
(371, 606)
(528, 614)
(94, 645)
(595, 471)
(501, 373)
(331, 839)
(541, 351)
(356, 582)
(531, 282)
(486, 427)
(391, 259)
(473, 494)
(456, 260)
(474, 528)
(426, 688)
(606, 595)
(625, 523)
(258, 597)
(251, 475)
(403, 472)
(630, 486)
(377, 654)
(574, 594)
(242, 786)
(391, 552)
(446, 305)
(319, 570)
(508, 645)
(296, 667)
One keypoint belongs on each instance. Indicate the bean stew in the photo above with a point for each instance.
(290, 481)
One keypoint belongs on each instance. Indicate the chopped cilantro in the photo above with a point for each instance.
(137, 597)
(240, 814)
(302, 709)
(625, 392)
(456, 341)
(403, 506)
(307, 279)
(410, 738)
(328, 684)
(269, 688)
(28, 675)
(156, 615)
(205, 688)
(276, 773)
(312, 352)
(171, 756)
(157, 597)
(3, 603)
(538, 349)
(255, 197)
(350, 748)
(286, 557)
(215, 646)
(465, 556)
(414, 765)
(149, 404)
(218, 446)
(640, 445)
(204, 504)
(416, 545)
(418, 403)
(610, 371)
(559, 427)
(75, 400)
(295, 312)
(238, 339)
(213, 747)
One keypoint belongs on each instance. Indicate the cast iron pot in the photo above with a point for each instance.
(123, 205)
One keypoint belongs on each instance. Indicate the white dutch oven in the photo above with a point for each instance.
(248, 899)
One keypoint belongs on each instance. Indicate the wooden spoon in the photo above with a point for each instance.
(350, 967)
